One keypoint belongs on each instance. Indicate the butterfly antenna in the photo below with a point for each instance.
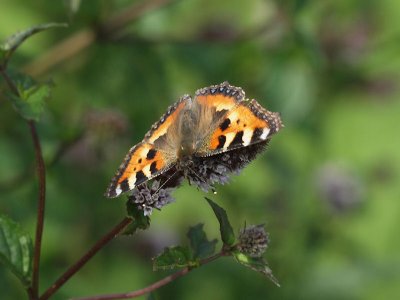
(202, 180)
(197, 175)
(165, 182)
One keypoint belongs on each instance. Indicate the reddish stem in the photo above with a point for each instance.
(155, 285)
(85, 258)
(41, 170)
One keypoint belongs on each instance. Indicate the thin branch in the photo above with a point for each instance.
(155, 285)
(41, 170)
(85, 258)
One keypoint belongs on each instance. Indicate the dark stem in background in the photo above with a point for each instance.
(41, 170)
(85, 258)
(81, 40)
(155, 285)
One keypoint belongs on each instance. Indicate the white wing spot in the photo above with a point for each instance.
(229, 138)
(264, 133)
(118, 191)
(131, 181)
(146, 171)
(247, 135)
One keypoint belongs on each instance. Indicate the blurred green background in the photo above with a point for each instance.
(327, 188)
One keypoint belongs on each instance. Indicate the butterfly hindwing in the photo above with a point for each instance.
(221, 98)
(246, 124)
(149, 158)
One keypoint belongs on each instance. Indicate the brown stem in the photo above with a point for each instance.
(41, 170)
(85, 258)
(155, 285)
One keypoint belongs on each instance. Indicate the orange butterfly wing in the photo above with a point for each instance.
(145, 160)
(236, 121)
(246, 124)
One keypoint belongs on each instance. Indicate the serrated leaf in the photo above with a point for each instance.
(201, 247)
(172, 258)
(15, 40)
(227, 234)
(31, 101)
(140, 221)
(255, 263)
(16, 249)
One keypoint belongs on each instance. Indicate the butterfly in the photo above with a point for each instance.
(195, 131)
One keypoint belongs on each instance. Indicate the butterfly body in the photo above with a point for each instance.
(217, 120)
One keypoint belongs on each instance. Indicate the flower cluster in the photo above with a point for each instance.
(253, 240)
(206, 171)
(156, 194)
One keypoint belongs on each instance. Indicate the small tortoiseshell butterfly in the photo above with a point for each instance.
(196, 131)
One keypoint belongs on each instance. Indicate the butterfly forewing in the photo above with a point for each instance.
(248, 123)
(149, 158)
(241, 122)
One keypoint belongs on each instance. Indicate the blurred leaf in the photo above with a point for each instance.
(31, 98)
(15, 40)
(198, 242)
(173, 257)
(140, 221)
(255, 263)
(15, 249)
(227, 235)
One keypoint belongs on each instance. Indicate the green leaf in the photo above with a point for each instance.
(227, 234)
(140, 221)
(172, 258)
(15, 40)
(15, 249)
(30, 102)
(201, 247)
(255, 263)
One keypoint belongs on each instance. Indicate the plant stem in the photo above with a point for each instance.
(41, 170)
(155, 285)
(85, 258)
